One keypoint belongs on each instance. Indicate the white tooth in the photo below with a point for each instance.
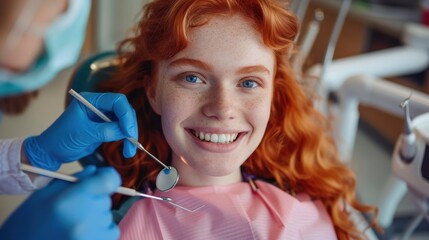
(222, 138)
(214, 138)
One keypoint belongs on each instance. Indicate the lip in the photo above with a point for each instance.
(216, 147)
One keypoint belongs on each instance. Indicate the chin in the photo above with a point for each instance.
(214, 166)
(220, 171)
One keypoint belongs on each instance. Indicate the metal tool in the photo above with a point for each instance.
(410, 163)
(167, 178)
(121, 190)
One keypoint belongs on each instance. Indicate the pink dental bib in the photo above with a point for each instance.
(230, 212)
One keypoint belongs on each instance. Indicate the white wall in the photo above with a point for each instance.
(114, 20)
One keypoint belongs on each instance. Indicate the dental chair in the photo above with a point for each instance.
(92, 71)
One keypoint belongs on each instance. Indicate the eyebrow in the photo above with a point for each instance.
(251, 69)
(208, 67)
(188, 61)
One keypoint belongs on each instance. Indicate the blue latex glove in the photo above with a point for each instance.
(64, 210)
(78, 132)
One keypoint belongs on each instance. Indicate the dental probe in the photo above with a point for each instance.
(68, 178)
(107, 119)
(121, 190)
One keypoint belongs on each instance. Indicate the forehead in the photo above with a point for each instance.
(225, 26)
(227, 38)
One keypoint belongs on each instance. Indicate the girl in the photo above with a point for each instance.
(215, 97)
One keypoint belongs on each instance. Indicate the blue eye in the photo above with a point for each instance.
(192, 79)
(249, 84)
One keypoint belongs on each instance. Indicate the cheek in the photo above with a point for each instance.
(170, 114)
(169, 104)
(259, 110)
(262, 103)
(176, 105)
(258, 102)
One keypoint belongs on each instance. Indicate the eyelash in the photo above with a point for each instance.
(198, 79)
(185, 78)
(255, 83)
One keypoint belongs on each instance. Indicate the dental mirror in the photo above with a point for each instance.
(167, 178)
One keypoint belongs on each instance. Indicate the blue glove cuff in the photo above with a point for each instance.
(38, 157)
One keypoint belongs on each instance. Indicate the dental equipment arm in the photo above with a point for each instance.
(394, 61)
(384, 95)
(410, 162)
(375, 92)
(410, 58)
(79, 132)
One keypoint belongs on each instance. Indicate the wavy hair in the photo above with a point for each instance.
(297, 152)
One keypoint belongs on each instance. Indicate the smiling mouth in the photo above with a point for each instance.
(223, 138)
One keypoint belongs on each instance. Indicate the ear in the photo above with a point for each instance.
(153, 100)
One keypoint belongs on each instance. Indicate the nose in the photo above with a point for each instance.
(220, 104)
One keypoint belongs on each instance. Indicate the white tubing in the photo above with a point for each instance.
(393, 192)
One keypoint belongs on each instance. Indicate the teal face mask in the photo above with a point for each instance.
(63, 41)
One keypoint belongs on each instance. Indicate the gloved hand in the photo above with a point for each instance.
(64, 210)
(79, 132)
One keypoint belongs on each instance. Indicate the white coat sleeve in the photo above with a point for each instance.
(12, 179)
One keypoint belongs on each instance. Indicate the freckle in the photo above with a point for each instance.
(254, 102)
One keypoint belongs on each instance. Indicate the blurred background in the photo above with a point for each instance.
(370, 25)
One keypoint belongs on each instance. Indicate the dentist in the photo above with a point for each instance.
(30, 56)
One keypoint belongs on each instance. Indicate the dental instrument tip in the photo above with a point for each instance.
(167, 199)
(404, 102)
(150, 196)
(186, 209)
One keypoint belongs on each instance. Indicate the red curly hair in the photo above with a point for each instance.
(297, 152)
